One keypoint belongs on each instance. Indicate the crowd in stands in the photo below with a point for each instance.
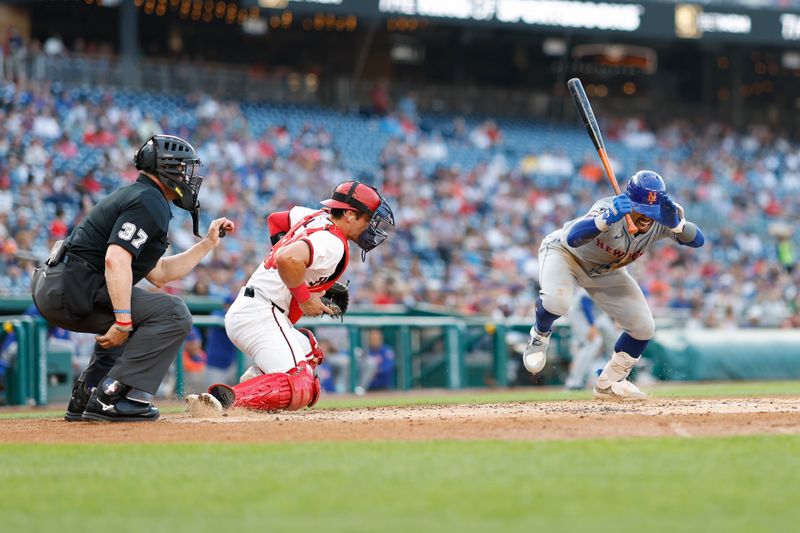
(472, 197)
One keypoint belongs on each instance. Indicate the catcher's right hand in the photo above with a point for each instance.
(337, 298)
(314, 306)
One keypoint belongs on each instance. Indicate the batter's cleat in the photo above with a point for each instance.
(203, 405)
(109, 403)
(223, 394)
(535, 355)
(619, 390)
(81, 393)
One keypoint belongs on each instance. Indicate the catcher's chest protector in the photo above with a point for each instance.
(300, 232)
(291, 391)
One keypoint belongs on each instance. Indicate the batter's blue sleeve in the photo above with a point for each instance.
(582, 232)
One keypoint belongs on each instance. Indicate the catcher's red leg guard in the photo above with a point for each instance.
(293, 390)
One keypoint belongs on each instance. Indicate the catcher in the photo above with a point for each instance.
(310, 250)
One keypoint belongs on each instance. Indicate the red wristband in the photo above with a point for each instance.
(123, 323)
(300, 293)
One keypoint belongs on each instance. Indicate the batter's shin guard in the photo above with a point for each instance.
(289, 391)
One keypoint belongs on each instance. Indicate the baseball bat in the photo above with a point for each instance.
(592, 128)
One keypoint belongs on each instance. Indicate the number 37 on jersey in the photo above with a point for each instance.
(129, 232)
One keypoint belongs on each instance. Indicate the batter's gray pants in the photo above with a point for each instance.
(161, 323)
(616, 292)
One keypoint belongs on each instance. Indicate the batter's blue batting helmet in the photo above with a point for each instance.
(645, 190)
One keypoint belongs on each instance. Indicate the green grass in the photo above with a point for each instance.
(528, 394)
(641, 485)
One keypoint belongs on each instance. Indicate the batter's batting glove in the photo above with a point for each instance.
(622, 206)
(670, 215)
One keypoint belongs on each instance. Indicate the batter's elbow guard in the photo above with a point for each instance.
(698, 240)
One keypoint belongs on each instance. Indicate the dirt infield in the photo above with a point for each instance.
(549, 420)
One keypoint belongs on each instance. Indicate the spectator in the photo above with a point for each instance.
(380, 98)
(380, 365)
(335, 368)
(477, 256)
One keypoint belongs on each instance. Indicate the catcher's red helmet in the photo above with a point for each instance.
(357, 196)
(354, 196)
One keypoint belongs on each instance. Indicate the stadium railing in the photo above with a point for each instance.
(430, 351)
(446, 343)
(436, 351)
(26, 379)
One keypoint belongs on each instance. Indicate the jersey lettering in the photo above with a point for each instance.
(127, 231)
(319, 282)
(141, 237)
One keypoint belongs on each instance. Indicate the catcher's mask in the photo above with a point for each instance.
(174, 162)
(645, 190)
(363, 198)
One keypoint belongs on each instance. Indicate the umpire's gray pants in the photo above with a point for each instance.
(161, 323)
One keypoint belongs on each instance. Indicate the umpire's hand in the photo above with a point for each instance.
(112, 338)
(219, 228)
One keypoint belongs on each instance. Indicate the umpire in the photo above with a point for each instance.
(88, 283)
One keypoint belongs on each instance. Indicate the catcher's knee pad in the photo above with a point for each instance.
(293, 390)
(316, 355)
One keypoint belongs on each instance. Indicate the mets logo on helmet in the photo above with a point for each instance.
(651, 197)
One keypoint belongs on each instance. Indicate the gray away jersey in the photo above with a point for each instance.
(613, 248)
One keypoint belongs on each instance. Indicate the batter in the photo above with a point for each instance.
(591, 252)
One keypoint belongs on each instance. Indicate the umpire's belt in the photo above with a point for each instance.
(250, 292)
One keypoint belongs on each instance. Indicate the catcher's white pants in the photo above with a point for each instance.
(262, 332)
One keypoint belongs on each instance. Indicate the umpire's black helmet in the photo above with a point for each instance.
(173, 161)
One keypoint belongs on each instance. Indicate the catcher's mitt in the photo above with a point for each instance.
(337, 297)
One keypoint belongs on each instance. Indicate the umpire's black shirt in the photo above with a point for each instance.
(135, 217)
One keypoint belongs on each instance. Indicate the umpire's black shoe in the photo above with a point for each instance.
(77, 403)
(109, 403)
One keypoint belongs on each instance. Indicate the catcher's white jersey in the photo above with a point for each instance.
(259, 324)
(327, 251)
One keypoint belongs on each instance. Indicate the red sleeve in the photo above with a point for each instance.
(278, 222)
